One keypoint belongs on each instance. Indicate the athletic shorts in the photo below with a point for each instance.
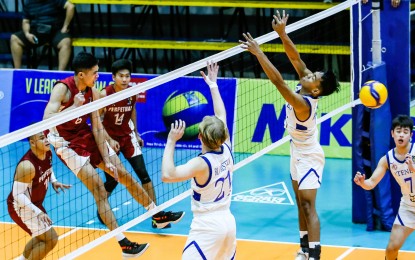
(405, 216)
(76, 152)
(54, 38)
(129, 145)
(26, 219)
(306, 166)
(212, 236)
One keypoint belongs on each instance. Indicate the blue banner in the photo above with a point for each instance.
(6, 87)
(186, 98)
(26, 93)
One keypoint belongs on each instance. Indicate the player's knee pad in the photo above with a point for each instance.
(110, 183)
(137, 162)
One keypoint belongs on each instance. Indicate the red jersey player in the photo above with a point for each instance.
(120, 122)
(31, 180)
(83, 149)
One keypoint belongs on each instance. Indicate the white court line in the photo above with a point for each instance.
(348, 251)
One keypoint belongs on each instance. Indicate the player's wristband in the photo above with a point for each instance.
(213, 85)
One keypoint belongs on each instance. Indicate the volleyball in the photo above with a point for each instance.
(373, 94)
(190, 106)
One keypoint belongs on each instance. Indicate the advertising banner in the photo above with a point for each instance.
(26, 93)
(263, 120)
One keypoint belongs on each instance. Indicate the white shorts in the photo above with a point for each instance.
(27, 216)
(405, 216)
(212, 236)
(306, 167)
(75, 158)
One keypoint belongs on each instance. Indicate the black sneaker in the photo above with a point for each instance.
(132, 249)
(162, 219)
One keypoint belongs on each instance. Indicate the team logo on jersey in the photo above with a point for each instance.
(129, 101)
(412, 197)
(271, 194)
(394, 167)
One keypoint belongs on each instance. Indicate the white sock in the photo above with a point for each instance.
(150, 206)
(119, 237)
(313, 244)
(303, 233)
(22, 257)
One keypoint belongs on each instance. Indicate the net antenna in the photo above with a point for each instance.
(376, 38)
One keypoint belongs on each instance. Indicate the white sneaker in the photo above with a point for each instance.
(301, 255)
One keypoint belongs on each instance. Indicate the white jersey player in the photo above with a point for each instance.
(307, 157)
(213, 229)
(400, 162)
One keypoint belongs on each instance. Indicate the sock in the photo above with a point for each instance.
(150, 206)
(304, 241)
(22, 258)
(313, 244)
(119, 237)
(314, 251)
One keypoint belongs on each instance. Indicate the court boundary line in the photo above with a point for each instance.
(240, 239)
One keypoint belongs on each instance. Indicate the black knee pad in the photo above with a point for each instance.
(110, 183)
(137, 162)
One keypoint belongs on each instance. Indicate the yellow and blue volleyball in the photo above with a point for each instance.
(190, 106)
(373, 94)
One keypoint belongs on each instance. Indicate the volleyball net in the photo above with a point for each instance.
(255, 119)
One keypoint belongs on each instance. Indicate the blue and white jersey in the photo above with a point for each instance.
(215, 194)
(404, 177)
(303, 133)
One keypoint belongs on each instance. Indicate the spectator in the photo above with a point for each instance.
(44, 22)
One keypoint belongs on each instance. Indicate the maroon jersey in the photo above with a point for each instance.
(40, 182)
(74, 127)
(118, 115)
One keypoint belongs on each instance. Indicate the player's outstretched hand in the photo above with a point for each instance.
(212, 68)
(279, 22)
(251, 45)
(176, 130)
(57, 185)
(359, 178)
(410, 162)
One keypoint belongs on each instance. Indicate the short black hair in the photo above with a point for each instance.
(329, 83)
(402, 121)
(122, 64)
(83, 61)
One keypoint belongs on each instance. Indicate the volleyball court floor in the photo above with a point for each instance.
(265, 212)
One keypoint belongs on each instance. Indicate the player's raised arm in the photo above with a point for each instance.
(210, 79)
(294, 99)
(377, 175)
(169, 171)
(278, 24)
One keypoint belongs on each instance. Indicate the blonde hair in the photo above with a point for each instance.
(213, 132)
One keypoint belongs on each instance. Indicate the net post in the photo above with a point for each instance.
(376, 38)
